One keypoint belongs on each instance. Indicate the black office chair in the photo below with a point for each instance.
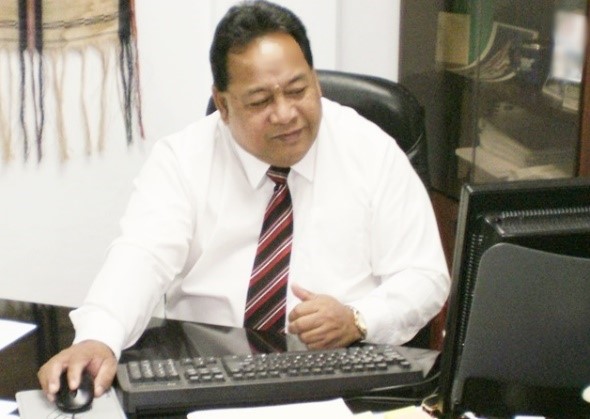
(391, 106)
(387, 103)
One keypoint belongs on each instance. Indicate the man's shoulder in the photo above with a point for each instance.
(334, 110)
(195, 134)
(352, 129)
(192, 146)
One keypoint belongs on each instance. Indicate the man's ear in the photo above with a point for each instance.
(317, 82)
(220, 103)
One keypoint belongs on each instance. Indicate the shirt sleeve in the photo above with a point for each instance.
(141, 263)
(407, 256)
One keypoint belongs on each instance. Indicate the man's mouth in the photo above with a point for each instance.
(288, 136)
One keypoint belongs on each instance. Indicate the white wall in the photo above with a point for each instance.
(56, 219)
(352, 35)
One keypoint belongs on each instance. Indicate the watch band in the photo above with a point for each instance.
(359, 322)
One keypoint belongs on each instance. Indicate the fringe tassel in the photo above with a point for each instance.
(38, 90)
(104, 53)
(37, 49)
(59, 74)
(136, 79)
(106, 61)
(31, 53)
(33, 59)
(83, 106)
(23, 30)
(126, 67)
(6, 100)
(129, 67)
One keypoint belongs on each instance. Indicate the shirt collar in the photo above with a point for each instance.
(255, 169)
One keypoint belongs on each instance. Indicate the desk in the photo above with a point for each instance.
(20, 361)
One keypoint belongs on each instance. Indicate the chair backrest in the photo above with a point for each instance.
(393, 108)
(387, 103)
(527, 338)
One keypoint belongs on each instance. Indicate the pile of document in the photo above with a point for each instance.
(515, 144)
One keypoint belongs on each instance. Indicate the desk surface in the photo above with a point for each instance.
(20, 361)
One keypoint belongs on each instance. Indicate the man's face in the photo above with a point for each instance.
(272, 102)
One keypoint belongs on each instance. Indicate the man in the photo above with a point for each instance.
(364, 258)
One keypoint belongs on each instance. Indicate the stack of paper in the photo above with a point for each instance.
(7, 409)
(322, 409)
(308, 410)
(514, 143)
(487, 166)
(11, 331)
(529, 149)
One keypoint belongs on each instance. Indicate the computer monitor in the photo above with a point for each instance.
(504, 226)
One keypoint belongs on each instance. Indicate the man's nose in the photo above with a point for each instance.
(283, 110)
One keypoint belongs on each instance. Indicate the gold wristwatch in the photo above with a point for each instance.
(359, 322)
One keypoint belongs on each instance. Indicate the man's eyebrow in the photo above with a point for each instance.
(298, 78)
(256, 90)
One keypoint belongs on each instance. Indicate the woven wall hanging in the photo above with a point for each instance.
(38, 38)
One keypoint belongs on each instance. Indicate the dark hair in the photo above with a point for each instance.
(245, 22)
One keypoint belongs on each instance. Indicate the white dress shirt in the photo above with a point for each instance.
(364, 233)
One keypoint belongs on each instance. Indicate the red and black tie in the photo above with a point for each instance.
(267, 293)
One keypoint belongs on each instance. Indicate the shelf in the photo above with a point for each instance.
(529, 97)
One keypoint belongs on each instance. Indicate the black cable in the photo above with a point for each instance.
(376, 395)
(429, 380)
(429, 404)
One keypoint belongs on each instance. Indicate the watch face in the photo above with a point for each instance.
(362, 328)
(360, 323)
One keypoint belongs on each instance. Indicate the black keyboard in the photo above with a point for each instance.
(181, 385)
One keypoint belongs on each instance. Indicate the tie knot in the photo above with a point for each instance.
(278, 174)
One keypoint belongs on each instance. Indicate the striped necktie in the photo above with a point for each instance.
(267, 293)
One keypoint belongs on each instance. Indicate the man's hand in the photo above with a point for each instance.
(321, 321)
(94, 356)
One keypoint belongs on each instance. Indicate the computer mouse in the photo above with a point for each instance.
(75, 401)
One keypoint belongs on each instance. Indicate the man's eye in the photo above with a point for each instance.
(296, 92)
(260, 103)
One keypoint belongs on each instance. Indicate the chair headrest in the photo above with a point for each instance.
(386, 103)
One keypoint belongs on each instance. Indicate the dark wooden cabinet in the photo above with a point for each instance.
(474, 121)
(507, 113)
(584, 160)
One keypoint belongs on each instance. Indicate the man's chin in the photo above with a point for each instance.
(288, 155)
(286, 161)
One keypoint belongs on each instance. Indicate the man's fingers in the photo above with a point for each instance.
(304, 308)
(49, 379)
(75, 369)
(302, 293)
(104, 376)
(302, 319)
(94, 356)
(322, 338)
